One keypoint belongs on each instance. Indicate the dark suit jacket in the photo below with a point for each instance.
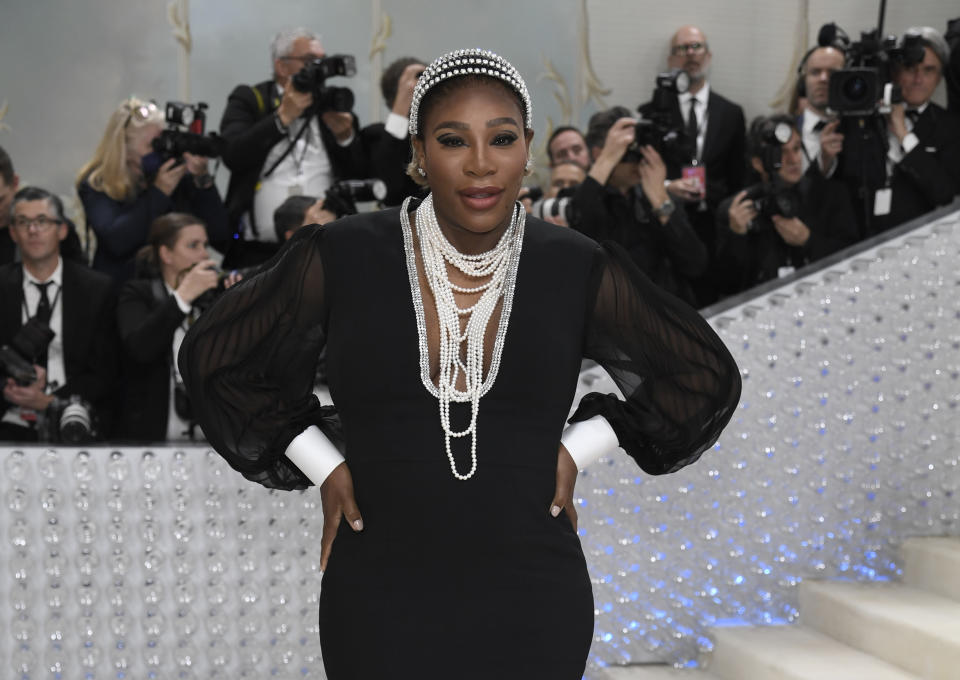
(724, 147)
(89, 332)
(147, 318)
(928, 176)
(387, 159)
(249, 128)
(747, 260)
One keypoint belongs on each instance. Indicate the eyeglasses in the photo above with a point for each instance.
(304, 60)
(141, 112)
(693, 47)
(41, 222)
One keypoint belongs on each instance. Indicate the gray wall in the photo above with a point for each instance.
(67, 63)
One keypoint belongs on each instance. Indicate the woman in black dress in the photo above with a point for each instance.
(454, 330)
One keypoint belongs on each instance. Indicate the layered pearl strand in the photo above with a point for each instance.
(500, 265)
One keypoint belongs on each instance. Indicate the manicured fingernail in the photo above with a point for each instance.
(358, 524)
(555, 510)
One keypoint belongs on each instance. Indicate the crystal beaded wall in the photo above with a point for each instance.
(845, 442)
(167, 564)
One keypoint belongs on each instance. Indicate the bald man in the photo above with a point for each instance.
(716, 130)
(822, 140)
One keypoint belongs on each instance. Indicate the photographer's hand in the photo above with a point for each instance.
(336, 499)
(317, 214)
(293, 104)
(196, 165)
(792, 230)
(408, 81)
(831, 144)
(169, 176)
(741, 213)
(652, 175)
(340, 124)
(620, 135)
(897, 120)
(198, 280)
(687, 189)
(30, 396)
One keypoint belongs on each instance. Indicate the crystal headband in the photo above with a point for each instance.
(467, 63)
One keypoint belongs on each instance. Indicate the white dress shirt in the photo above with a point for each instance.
(897, 149)
(56, 370)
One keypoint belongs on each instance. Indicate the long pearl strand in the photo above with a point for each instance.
(500, 265)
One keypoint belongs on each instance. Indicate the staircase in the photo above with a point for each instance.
(848, 630)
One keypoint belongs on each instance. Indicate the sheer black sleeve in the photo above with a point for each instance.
(680, 384)
(249, 364)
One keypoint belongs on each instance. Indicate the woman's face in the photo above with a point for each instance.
(138, 141)
(474, 150)
(189, 249)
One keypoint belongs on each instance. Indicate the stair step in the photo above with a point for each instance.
(792, 653)
(932, 564)
(654, 672)
(909, 628)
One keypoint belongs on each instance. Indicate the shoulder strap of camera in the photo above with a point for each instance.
(289, 149)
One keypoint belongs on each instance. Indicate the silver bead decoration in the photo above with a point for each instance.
(475, 62)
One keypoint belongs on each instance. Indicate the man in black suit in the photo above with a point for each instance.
(752, 246)
(74, 302)
(923, 159)
(279, 144)
(387, 144)
(715, 132)
(819, 133)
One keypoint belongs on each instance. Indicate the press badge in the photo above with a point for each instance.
(881, 201)
(698, 173)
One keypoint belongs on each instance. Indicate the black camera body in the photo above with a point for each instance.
(184, 133)
(313, 77)
(18, 357)
(773, 198)
(657, 127)
(342, 197)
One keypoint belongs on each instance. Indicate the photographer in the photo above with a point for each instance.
(822, 141)
(120, 199)
(281, 142)
(57, 331)
(624, 199)
(923, 158)
(299, 211)
(802, 217)
(153, 314)
(387, 144)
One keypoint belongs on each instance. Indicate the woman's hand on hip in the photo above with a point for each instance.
(566, 481)
(336, 495)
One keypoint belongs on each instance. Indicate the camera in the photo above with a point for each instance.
(342, 197)
(773, 198)
(312, 78)
(561, 206)
(656, 126)
(18, 357)
(69, 421)
(174, 141)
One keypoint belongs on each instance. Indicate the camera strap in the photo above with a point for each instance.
(289, 150)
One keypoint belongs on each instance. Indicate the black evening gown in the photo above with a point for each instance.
(451, 579)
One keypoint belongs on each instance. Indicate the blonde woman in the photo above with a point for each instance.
(121, 199)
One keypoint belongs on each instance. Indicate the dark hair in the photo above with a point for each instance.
(38, 194)
(164, 231)
(760, 129)
(6, 167)
(390, 80)
(289, 215)
(600, 124)
(556, 133)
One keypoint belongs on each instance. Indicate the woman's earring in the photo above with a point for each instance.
(423, 173)
(528, 168)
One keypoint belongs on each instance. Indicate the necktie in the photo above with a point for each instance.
(912, 116)
(43, 314)
(692, 127)
(820, 124)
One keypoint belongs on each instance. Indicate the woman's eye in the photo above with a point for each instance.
(450, 140)
(505, 139)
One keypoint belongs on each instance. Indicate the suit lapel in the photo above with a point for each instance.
(12, 291)
(714, 127)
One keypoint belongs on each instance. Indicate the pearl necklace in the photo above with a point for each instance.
(500, 264)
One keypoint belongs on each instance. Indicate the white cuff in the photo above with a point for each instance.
(588, 440)
(348, 141)
(181, 303)
(314, 454)
(909, 142)
(397, 125)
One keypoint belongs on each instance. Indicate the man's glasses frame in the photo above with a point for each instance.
(42, 223)
(690, 47)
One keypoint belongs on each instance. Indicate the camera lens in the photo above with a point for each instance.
(855, 88)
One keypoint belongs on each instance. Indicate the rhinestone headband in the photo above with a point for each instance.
(466, 63)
